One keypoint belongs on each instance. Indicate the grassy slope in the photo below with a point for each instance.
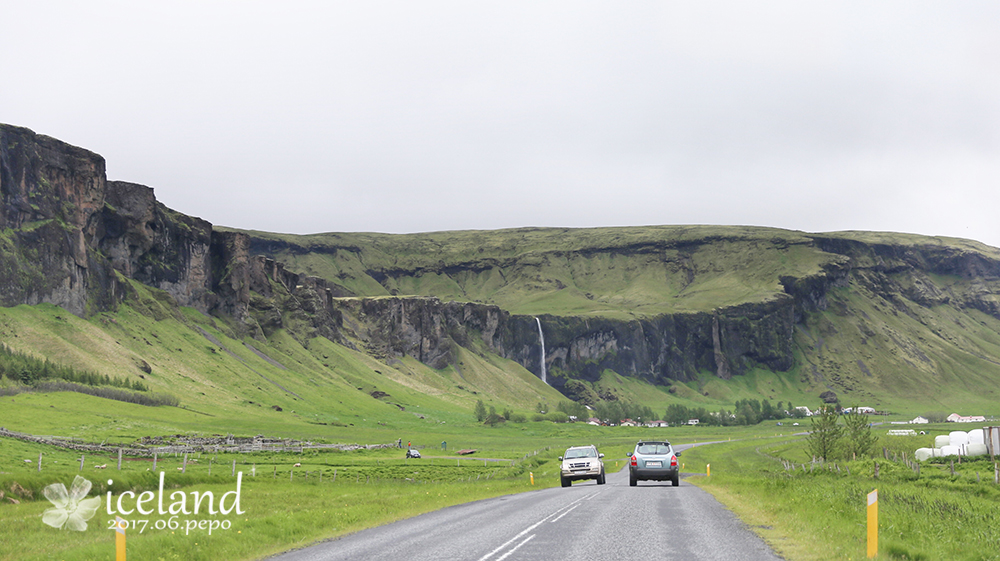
(893, 354)
(323, 389)
(901, 356)
(618, 272)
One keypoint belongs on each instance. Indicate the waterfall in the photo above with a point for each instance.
(541, 337)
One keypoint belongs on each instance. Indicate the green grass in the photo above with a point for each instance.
(286, 506)
(821, 513)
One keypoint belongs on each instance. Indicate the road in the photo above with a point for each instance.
(584, 522)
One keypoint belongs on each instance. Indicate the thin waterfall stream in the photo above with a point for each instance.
(541, 337)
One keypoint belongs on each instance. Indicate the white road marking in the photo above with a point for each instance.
(556, 519)
(505, 555)
(532, 527)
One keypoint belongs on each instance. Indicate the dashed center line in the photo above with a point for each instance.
(505, 555)
(556, 519)
(566, 508)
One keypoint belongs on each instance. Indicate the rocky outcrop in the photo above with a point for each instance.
(148, 242)
(72, 238)
(672, 347)
(661, 350)
(900, 272)
(52, 197)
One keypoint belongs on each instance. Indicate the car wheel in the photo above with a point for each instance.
(600, 478)
(565, 482)
(632, 481)
(676, 480)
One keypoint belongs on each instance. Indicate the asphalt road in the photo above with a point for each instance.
(586, 522)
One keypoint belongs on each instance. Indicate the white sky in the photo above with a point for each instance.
(305, 117)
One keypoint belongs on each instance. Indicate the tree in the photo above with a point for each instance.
(767, 411)
(676, 414)
(492, 418)
(480, 411)
(859, 440)
(824, 439)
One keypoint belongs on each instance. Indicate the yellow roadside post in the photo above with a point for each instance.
(873, 524)
(532, 475)
(120, 525)
(708, 470)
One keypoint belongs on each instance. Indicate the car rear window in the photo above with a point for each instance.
(654, 449)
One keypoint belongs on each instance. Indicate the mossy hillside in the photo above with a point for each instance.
(900, 356)
(225, 385)
(619, 272)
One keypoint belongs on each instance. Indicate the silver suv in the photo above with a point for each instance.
(653, 460)
(581, 462)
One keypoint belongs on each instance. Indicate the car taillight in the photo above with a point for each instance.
(673, 461)
(634, 461)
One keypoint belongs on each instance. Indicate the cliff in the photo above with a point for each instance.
(664, 304)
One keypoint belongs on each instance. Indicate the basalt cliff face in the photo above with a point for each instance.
(71, 237)
(663, 304)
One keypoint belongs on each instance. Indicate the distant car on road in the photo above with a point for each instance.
(653, 460)
(411, 453)
(581, 462)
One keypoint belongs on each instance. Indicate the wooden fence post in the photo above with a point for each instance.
(39, 462)
(82, 456)
(119, 459)
(184, 466)
(154, 462)
(234, 468)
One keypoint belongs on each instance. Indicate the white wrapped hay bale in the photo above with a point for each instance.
(958, 438)
(976, 450)
(977, 436)
(941, 440)
(923, 454)
(951, 451)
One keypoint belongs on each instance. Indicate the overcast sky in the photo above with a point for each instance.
(304, 117)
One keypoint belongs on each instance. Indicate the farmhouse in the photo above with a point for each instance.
(956, 418)
(862, 409)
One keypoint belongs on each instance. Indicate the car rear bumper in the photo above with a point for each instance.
(655, 474)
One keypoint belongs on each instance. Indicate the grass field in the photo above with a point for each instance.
(809, 512)
(818, 511)
(329, 493)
